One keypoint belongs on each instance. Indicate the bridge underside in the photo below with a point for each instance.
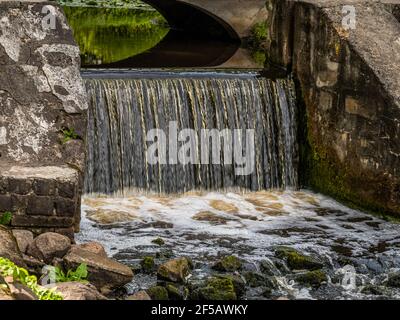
(195, 20)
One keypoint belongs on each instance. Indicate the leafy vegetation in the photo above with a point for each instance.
(69, 134)
(8, 268)
(5, 218)
(79, 275)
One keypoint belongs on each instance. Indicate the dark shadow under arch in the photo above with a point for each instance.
(194, 20)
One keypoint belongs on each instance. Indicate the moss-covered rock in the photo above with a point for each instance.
(256, 279)
(148, 264)
(158, 241)
(394, 280)
(228, 264)
(297, 261)
(177, 292)
(216, 289)
(312, 278)
(373, 290)
(239, 284)
(157, 293)
(175, 270)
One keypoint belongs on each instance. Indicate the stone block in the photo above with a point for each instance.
(40, 206)
(5, 203)
(41, 221)
(43, 187)
(65, 207)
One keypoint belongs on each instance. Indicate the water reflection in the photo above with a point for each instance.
(109, 35)
(141, 38)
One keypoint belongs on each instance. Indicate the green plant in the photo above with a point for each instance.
(80, 274)
(5, 218)
(8, 268)
(69, 134)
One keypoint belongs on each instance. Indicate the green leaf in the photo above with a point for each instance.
(5, 218)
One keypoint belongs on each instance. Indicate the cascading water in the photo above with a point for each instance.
(148, 200)
(123, 111)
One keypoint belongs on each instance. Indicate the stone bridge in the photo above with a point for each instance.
(237, 17)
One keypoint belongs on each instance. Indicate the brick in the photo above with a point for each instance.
(40, 206)
(41, 221)
(19, 203)
(44, 187)
(5, 203)
(67, 189)
(65, 207)
(19, 186)
(3, 185)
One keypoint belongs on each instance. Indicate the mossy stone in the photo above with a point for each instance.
(175, 292)
(312, 278)
(217, 289)
(228, 264)
(158, 241)
(238, 283)
(157, 293)
(175, 270)
(297, 261)
(373, 290)
(148, 264)
(394, 280)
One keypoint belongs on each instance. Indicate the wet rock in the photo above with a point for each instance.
(148, 264)
(48, 246)
(228, 264)
(175, 270)
(95, 247)
(165, 254)
(210, 217)
(105, 273)
(158, 241)
(268, 268)
(79, 291)
(9, 247)
(312, 278)
(104, 216)
(177, 292)
(140, 295)
(239, 284)
(216, 289)
(373, 290)
(24, 238)
(221, 205)
(394, 280)
(297, 261)
(255, 279)
(157, 293)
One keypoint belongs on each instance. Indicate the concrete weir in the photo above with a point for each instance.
(42, 118)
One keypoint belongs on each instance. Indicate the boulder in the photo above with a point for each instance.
(312, 278)
(94, 247)
(148, 264)
(79, 291)
(394, 280)
(19, 291)
(296, 260)
(175, 270)
(157, 293)
(228, 264)
(48, 246)
(105, 273)
(216, 289)
(24, 239)
(140, 295)
(9, 247)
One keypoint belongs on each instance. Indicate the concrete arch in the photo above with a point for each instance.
(231, 19)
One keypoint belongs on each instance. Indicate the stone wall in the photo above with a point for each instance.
(42, 118)
(349, 85)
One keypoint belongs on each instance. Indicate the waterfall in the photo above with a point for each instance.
(122, 111)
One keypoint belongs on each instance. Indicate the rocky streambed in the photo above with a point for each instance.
(260, 245)
(207, 246)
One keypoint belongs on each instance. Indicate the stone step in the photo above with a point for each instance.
(41, 198)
